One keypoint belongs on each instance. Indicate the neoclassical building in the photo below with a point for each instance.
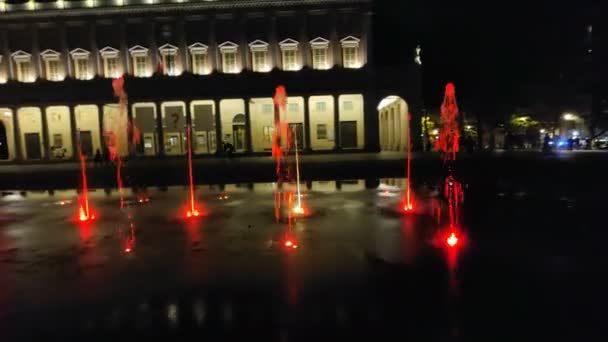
(214, 64)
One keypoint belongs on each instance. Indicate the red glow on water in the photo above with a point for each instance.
(289, 244)
(448, 132)
(84, 212)
(452, 240)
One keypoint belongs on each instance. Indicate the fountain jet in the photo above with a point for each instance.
(192, 210)
(84, 210)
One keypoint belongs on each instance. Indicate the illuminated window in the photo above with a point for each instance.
(268, 131)
(259, 56)
(321, 131)
(199, 59)
(320, 50)
(228, 51)
(289, 54)
(23, 66)
(321, 107)
(51, 65)
(348, 105)
(293, 107)
(80, 58)
(267, 108)
(109, 58)
(168, 54)
(141, 63)
(57, 140)
(350, 52)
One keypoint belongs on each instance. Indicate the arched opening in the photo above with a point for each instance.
(393, 124)
(239, 128)
(3, 142)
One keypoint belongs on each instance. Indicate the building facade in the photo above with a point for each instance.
(213, 64)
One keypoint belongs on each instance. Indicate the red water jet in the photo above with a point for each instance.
(448, 132)
(192, 210)
(84, 210)
(280, 103)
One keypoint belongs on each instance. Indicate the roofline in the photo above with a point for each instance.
(170, 7)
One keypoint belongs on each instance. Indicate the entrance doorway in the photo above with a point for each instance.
(348, 134)
(298, 129)
(173, 143)
(239, 133)
(86, 143)
(3, 142)
(32, 146)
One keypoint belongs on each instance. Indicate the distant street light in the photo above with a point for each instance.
(570, 117)
(542, 131)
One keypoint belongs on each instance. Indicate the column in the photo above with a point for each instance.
(45, 134)
(366, 40)
(371, 119)
(334, 42)
(218, 127)
(74, 134)
(124, 49)
(130, 148)
(17, 135)
(213, 50)
(8, 60)
(36, 60)
(243, 45)
(398, 132)
(381, 127)
(183, 47)
(273, 42)
(65, 52)
(391, 128)
(304, 47)
(161, 135)
(307, 133)
(247, 126)
(338, 146)
(151, 28)
(104, 148)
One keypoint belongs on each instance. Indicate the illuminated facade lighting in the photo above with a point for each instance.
(199, 59)
(168, 54)
(229, 50)
(259, 56)
(290, 55)
(81, 64)
(140, 61)
(350, 52)
(52, 65)
(320, 52)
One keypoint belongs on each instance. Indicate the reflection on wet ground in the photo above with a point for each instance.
(362, 268)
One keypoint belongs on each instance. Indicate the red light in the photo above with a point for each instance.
(128, 250)
(452, 240)
(62, 203)
(295, 246)
(288, 243)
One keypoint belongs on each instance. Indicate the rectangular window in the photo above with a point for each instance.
(199, 63)
(321, 131)
(259, 61)
(320, 106)
(57, 140)
(268, 131)
(140, 66)
(289, 60)
(52, 70)
(348, 105)
(319, 58)
(110, 67)
(229, 62)
(350, 57)
(293, 107)
(267, 108)
(169, 65)
(24, 71)
(81, 68)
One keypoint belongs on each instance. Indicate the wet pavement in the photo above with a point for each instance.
(525, 267)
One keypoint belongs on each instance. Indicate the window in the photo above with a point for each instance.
(350, 52)
(52, 70)
(57, 140)
(290, 62)
(140, 66)
(293, 107)
(259, 56)
(228, 51)
(259, 61)
(199, 63)
(320, 106)
(24, 71)
(268, 131)
(350, 55)
(321, 131)
(348, 105)
(110, 67)
(168, 54)
(267, 108)
(319, 58)
(81, 68)
(199, 59)
(320, 48)
(169, 65)
(289, 54)
(229, 62)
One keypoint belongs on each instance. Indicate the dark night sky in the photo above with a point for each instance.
(493, 53)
